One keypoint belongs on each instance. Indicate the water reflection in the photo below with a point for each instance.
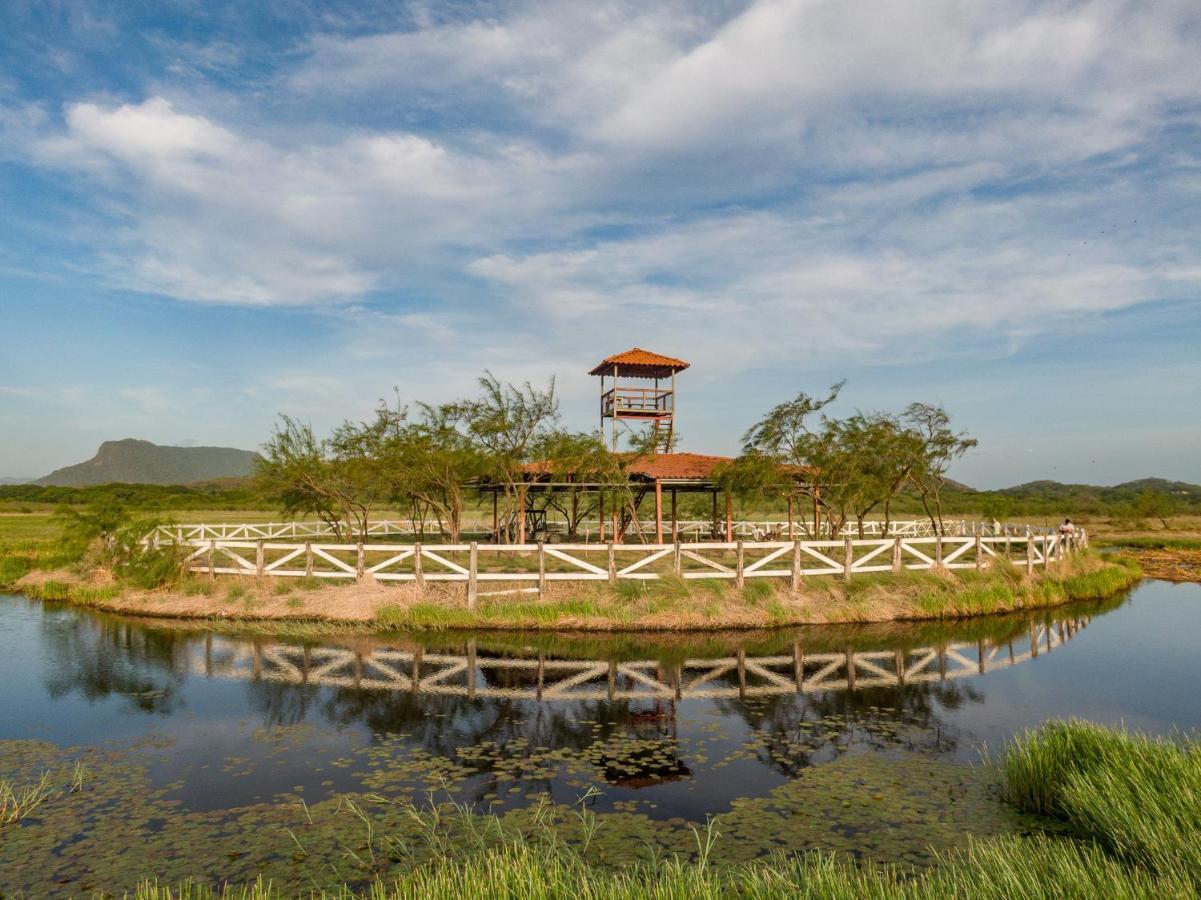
(686, 723)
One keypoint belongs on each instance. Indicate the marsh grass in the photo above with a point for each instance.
(1138, 797)
(20, 803)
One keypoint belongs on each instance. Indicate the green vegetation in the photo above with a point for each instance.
(1130, 809)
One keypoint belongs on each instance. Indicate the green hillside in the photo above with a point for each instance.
(132, 461)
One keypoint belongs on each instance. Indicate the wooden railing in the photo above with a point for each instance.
(696, 529)
(637, 401)
(537, 565)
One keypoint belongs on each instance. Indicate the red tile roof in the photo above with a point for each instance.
(677, 465)
(637, 361)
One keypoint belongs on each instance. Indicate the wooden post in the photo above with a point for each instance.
(1029, 552)
(616, 536)
(896, 555)
(612, 563)
(791, 527)
(979, 553)
(1009, 547)
(308, 559)
(675, 522)
(729, 517)
(678, 557)
(739, 565)
(418, 568)
(473, 566)
(521, 521)
(798, 666)
(658, 511)
(212, 560)
(796, 564)
(259, 568)
(713, 517)
(938, 550)
(600, 514)
(360, 565)
(541, 570)
(848, 558)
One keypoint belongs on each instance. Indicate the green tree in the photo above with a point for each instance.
(941, 446)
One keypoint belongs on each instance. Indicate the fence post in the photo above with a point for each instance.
(473, 564)
(896, 555)
(360, 565)
(938, 550)
(612, 564)
(739, 578)
(1008, 547)
(1029, 551)
(848, 559)
(308, 559)
(796, 564)
(541, 570)
(979, 553)
(678, 558)
(212, 560)
(418, 570)
(258, 558)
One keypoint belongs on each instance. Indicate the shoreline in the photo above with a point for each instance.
(267, 606)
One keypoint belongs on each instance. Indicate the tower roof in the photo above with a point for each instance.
(639, 363)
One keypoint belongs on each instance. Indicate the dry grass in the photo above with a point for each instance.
(669, 604)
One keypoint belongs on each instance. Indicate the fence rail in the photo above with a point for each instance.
(687, 529)
(537, 565)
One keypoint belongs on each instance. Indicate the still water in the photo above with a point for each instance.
(669, 730)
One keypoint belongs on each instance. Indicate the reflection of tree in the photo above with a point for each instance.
(100, 657)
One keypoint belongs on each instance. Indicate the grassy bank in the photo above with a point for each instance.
(1131, 807)
(669, 604)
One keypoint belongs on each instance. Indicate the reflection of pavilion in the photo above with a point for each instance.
(734, 677)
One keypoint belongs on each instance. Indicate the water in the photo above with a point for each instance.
(668, 730)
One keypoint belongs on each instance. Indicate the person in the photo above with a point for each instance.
(1067, 527)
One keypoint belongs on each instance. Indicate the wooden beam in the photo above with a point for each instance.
(658, 511)
(729, 516)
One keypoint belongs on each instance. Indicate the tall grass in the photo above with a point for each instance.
(996, 870)
(1138, 797)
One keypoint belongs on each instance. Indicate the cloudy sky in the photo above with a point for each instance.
(212, 213)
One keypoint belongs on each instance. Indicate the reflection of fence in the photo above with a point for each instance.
(543, 563)
(696, 529)
(740, 676)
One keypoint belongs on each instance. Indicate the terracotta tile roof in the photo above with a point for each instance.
(637, 361)
(677, 465)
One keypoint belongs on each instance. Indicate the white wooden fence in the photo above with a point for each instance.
(692, 528)
(537, 565)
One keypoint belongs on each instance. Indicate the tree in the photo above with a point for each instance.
(340, 479)
(795, 433)
(577, 459)
(1155, 505)
(509, 425)
(940, 447)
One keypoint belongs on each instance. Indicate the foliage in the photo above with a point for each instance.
(858, 464)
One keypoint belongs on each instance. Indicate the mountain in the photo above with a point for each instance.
(140, 462)
(1127, 490)
(7, 480)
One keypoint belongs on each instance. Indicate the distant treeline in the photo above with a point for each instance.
(227, 494)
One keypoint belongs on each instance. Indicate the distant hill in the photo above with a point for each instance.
(7, 480)
(131, 461)
(1180, 490)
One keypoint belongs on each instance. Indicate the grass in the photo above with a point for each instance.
(1137, 797)
(1150, 542)
(19, 803)
(1132, 806)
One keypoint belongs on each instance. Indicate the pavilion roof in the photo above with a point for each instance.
(639, 363)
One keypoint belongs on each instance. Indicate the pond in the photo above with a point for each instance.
(206, 748)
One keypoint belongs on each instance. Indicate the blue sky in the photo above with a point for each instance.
(213, 213)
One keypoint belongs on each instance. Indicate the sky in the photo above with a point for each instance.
(213, 213)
